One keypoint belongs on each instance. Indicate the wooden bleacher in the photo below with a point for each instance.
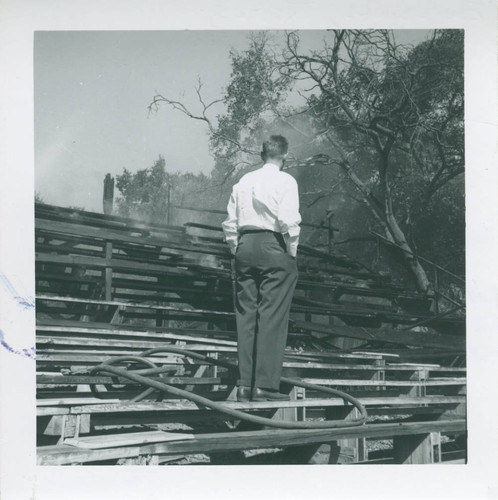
(109, 286)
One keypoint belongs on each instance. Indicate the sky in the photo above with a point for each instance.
(92, 90)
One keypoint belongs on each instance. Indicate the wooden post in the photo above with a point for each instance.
(330, 216)
(287, 414)
(436, 292)
(213, 371)
(354, 449)
(300, 395)
(458, 410)
(116, 316)
(159, 318)
(108, 198)
(108, 271)
(418, 375)
(436, 447)
(380, 374)
(415, 449)
(422, 376)
(419, 448)
(334, 452)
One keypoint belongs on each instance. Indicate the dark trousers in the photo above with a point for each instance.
(266, 279)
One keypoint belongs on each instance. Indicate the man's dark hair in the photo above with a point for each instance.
(275, 147)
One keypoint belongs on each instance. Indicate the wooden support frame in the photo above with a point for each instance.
(64, 425)
(417, 449)
(218, 442)
(161, 273)
(108, 271)
(352, 449)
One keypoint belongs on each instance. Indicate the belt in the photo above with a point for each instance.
(255, 231)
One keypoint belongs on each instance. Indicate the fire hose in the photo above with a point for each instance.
(142, 377)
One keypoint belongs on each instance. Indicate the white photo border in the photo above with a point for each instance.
(21, 478)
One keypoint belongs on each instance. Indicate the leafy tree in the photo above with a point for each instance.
(382, 121)
(148, 193)
(144, 194)
(389, 106)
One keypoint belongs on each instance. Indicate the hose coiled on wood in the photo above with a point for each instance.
(153, 385)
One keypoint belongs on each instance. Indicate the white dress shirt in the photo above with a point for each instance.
(264, 199)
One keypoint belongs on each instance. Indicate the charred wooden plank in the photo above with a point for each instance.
(182, 405)
(108, 234)
(54, 298)
(82, 216)
(388, 335)
(53, 455)
(89, 379)
(124, 265)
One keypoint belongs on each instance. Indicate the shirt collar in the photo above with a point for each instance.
(271, 166)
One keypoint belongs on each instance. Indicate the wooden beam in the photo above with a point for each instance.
(54, 344)
(55, 298)
(115, 235)
(54, 402)
(198, 334)
(207, 443)
(293, 359)
(388, 335)
(387, 383)
(126, 439)
(85, 380)
(56, 410)
(100, 406)
(122, 265)
(338, 310)
(53, 212)
(108, 421)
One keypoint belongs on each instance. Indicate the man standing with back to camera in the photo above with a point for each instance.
(262, 231)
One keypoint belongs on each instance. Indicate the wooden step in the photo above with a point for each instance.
(94, 405)
(68, 380)
(222, 442)
(388, 335)
(125, 439)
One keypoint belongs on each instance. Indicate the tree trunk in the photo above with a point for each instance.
(396, 235)
(393, 232)
(385, 218)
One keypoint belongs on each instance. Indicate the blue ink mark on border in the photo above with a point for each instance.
(25, 302)
(25, 353)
